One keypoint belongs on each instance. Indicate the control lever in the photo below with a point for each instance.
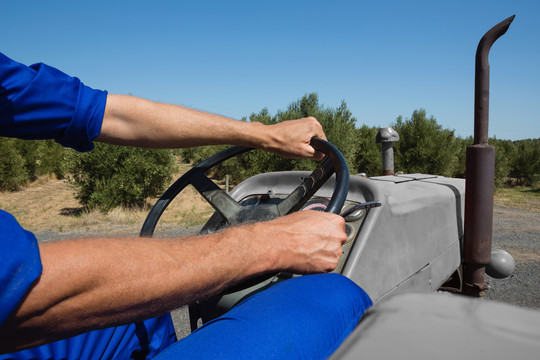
(363, 206)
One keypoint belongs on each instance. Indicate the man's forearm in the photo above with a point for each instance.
(134, 121)
(94, 283)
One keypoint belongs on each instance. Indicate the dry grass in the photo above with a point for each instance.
(519, 197)
(50, 205)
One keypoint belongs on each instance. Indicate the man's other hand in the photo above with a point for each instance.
(291, 139)
(306, 241)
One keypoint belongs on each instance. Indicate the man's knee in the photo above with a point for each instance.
(304, 317)
(317, 302)
(316, 311)
(331, 289)
(329, 296)
(335, 289)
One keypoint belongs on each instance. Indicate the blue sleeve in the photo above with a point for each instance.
(21, 264)
(41, 102)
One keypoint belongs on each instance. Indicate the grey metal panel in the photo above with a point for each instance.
(403, 178)
(419, 220)
(430, 277)
(443, 326)
(283, 182)
(419, 225)
(444, 265)
(419, 281)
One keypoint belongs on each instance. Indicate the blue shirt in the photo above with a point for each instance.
(20, 264)
(39, 102)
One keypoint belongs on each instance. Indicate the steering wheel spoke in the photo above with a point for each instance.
(215, 196)
(308, 188)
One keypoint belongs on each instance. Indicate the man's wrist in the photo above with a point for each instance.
(260, 248)
(254, 135)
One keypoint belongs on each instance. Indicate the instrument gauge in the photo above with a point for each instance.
(316, 204)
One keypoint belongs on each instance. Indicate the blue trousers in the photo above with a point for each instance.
(302, 318)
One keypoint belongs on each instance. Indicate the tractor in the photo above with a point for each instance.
(417, 243)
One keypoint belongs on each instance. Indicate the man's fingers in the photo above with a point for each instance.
(317, 155)
(316, 128)
(312, 153)
(291, 139)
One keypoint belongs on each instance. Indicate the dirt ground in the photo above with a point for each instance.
(51, 206)
(518, 232)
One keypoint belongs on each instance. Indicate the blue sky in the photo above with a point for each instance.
(384, 58)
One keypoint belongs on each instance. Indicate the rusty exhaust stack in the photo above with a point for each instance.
(480, 174)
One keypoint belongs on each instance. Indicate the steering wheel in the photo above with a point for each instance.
(229, 213)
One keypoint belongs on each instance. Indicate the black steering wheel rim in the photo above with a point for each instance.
(333, 162)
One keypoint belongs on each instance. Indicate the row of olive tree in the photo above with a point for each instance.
(113, 176)
(105, 178)
(22, 161)
(338, 124)
(424, 147)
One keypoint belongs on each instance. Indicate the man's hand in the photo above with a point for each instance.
(291, 139)
(306, 241)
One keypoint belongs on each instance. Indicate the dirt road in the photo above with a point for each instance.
(514, 230)
(518, 232)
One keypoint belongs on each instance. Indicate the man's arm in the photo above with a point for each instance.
(94, 283)
(134, 121)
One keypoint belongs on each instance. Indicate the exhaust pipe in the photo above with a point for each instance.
(480, 174)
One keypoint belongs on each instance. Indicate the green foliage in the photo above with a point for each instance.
(505, 153)
(367, 155)
(121, 176)
(53, 159)
(28, 149)
(338, 124)
(461, 155)
(424, 147)
(39, 157)
(12, 170)
(112, 176)
(526, 165)
(198, 154)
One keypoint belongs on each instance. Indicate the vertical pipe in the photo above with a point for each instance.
(387, 150)
(481, 80)
(479, 183)
(386, 137)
